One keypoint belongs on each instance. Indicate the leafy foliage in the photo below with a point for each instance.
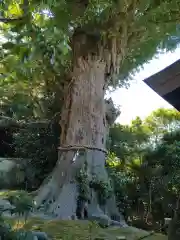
(37, 45)
(82, 178)
(103, 189)
(37, 58)
(38, 54)
(146, 180)
(125, 139)
(22, 204)
(85, 183)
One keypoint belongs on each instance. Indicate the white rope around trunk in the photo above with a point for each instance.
(81, 147)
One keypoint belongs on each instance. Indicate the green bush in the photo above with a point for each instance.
(37, 143)
(22, 204)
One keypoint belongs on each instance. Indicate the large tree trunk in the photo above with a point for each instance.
(83, 125)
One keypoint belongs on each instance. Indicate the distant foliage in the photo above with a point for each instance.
(145, 168)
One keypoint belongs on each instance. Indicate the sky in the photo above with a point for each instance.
(139, 99)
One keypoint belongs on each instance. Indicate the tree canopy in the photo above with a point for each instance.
(37, 38)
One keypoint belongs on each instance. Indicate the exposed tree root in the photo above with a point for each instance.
(62, 202)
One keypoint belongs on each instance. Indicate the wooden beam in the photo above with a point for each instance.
(166, 80)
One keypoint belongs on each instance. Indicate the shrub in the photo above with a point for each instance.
(22, 204)
(37, 143)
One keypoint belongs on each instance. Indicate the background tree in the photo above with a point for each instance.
(162, 121)
(147, 184)
(128, 140)
(91, 45)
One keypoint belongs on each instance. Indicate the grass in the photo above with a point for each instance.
(6, 193)
(81, 230)
(77, 230)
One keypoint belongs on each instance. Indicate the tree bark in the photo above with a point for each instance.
(83, 127)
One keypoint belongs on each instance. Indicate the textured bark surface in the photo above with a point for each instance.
(83, 124)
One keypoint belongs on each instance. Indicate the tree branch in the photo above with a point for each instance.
(11, 20)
